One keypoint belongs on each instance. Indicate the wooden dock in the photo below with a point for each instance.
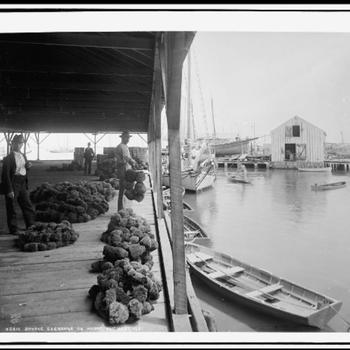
(338, 164)
(226, 163)
(47, 291)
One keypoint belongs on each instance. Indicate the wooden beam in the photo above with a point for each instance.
(77, 87)
(75, 69)
(136, 41)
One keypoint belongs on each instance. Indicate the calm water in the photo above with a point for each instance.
(279, 224)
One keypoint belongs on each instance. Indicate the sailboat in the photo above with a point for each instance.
(198, 169)
(229, 148)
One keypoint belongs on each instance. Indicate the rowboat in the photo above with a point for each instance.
(325, 169)
(192, 229)
(259, 289)
(329, 186)
(238, 179)
(167, 201)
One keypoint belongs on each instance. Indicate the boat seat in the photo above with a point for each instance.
(265, 290)
(227, 272)
(198, 257)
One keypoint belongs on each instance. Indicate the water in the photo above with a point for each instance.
(277, 223)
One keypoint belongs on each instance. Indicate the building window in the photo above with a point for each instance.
(296, 131)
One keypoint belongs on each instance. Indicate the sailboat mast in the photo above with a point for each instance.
(212, 115)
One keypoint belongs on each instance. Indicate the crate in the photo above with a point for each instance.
(79, 155)
(109, 151)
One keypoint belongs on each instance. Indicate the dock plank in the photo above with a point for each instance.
(48, 303)
(47, 291)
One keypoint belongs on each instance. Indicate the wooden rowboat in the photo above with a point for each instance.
(329, 186)
(326, 169)
(192, 229)
(260, 289)
(167, 201)
(237, 179)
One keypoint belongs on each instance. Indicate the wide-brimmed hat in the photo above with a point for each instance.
(18, 139)
(125, 134)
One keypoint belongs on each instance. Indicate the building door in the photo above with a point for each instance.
(290, 151)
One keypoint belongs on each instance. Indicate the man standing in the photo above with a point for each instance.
(124, 162)
(15, 185)
(88, 157)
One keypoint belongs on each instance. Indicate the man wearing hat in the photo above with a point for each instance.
(124, 162)
(88, 157)
(15, 185)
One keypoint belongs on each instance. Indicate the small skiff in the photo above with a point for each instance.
(237, 179)
(167, 201)
(259, 289)
(326, 169)
(329, 186)
(192, 229)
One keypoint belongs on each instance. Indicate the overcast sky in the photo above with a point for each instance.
(264, 79)
(260, 68)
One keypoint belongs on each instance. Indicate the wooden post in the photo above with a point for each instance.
(176, 44)
(154, 134)
(26, 137)
(38, 142)
(158, 106)
(8, 138)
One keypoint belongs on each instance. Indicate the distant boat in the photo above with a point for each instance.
(259, 289)
(329, 186)
(230, 148)
(62, 150)
(325, 169)
(237, 178)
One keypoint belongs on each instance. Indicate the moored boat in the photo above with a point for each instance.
(325, 169)
(259, 289)
(167, 201)
(329, 186)
(192, 229)
(230, 148)
(237, 178)
(195, 180)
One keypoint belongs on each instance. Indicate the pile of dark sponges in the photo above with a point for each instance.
(46, 236)
(75, 202)
(125, 291)
(106, 167)
(126, 287)
(72, 166)
(128, 236)
(135, 189)
(113, 181)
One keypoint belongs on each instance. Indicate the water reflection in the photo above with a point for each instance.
(279, 224)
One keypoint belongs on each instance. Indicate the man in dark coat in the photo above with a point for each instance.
(15, 185)
(88, 156)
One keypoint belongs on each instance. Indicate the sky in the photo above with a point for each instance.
(259, 69)
(259, 80)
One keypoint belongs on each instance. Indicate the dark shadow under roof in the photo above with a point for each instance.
(76, 82)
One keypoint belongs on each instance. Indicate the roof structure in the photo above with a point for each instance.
(76, 81)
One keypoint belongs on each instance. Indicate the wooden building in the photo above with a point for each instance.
(297, 144)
